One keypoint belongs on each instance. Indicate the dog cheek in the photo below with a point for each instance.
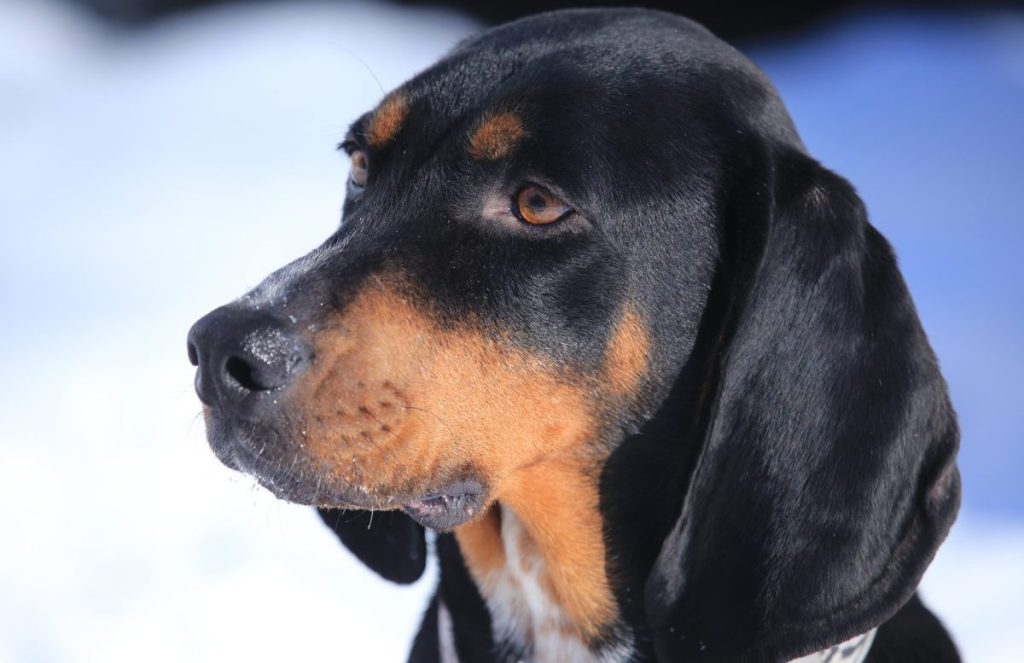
(354, 431)
(404, 403)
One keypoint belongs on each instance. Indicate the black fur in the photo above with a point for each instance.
(389, 542)
(787, 470)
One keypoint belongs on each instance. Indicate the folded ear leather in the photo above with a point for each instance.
(389, 542)
(827, 479)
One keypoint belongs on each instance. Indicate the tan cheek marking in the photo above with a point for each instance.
(496, 136)
(557, 501)
(628, 355)
(395, 405)
(387, 120)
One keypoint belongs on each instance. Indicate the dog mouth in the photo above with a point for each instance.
(262, 455)
(449, 507)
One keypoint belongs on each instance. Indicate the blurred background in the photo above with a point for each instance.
(159, 157)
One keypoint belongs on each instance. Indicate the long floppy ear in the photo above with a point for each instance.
(827, 478)
(389, 542)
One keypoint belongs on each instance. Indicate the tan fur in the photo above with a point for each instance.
(557, 503)
(397, 405)
(628, 354)
(480, 543)
(387, 120)
(496, 136)
(556, 500)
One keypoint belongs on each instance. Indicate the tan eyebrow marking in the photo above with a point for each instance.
(496, 136)
(386, 121)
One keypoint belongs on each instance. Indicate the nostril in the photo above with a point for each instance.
(241, 353)
(247, 375)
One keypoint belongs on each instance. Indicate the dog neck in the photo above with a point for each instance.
(538, 556)
(538, 559)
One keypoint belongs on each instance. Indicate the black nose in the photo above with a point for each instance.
(241, 353)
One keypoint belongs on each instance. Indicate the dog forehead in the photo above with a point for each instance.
(592, 71)
(520, 61)
(610, 30)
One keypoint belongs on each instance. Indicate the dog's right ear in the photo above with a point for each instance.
(389, 542)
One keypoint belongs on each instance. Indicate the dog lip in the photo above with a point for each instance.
(448, 507)
(458, 488)
(237, 453)
(443, 508)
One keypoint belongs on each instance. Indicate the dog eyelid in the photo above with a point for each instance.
(359, 169)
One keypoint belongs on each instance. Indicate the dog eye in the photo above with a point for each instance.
(536, 205)
(360, 168)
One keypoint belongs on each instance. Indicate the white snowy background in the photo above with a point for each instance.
(148, 176)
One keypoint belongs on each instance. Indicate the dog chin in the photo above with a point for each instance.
(443, 508)
(453, 505)
(259, 452)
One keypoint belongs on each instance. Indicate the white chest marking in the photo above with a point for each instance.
(525, 616)
(854, 650)
(523, 612)
(446, 634)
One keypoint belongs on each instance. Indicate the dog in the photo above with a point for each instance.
(595, 316)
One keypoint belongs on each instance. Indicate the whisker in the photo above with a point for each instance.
(358, 59)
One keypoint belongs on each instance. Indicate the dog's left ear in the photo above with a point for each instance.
(389, 542)
(827, 477)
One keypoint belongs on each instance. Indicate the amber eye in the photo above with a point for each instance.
(539, 206)
(360, 168)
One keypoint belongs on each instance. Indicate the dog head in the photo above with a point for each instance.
(545, 236)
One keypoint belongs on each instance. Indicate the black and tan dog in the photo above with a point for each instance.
(595, 315)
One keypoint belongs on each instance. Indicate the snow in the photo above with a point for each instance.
(150, 176)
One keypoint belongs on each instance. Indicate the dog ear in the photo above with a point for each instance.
(827, 476)
(389, 542)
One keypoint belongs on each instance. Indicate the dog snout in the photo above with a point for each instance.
(241, 354)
